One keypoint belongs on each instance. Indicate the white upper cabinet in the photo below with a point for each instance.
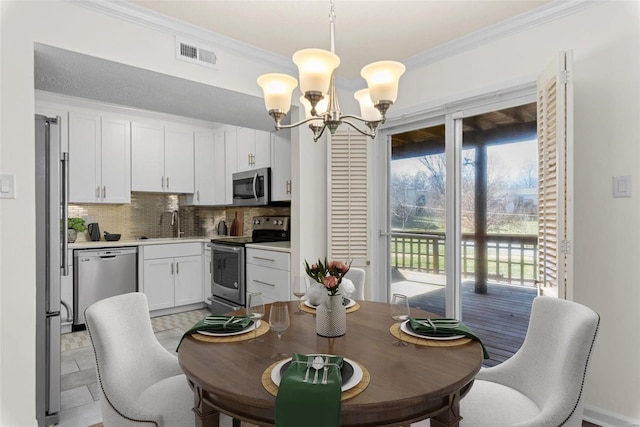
(280, 167)
(116, 160)
(219, 169)
(147, 157)
(178, 160)
(254, 149)
(99, 159)
(204, 169)
(161, 158)
(231, 156)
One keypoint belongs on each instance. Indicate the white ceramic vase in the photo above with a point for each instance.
(331, 317)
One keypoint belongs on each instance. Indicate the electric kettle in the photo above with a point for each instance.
(94, 231)
(222, 228)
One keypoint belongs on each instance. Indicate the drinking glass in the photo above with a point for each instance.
(399, 311)
(299, 290)
(279, 322)
(255, 311)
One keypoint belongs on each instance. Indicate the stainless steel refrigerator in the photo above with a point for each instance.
(51, 265)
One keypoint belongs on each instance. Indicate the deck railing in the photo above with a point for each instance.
(511, 258)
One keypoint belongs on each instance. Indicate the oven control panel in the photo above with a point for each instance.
(271, 223)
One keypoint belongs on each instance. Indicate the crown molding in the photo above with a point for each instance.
(131, 12)
(539, 16)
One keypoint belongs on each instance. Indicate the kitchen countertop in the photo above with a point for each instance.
(272, 246)
(137, 242)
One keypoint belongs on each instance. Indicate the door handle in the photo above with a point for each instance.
(255, 191)
(264, 283)
(172, 269)
(104, 192)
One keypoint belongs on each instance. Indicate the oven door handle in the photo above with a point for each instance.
(255, 181)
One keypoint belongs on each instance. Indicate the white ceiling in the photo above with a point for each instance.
(366, 31)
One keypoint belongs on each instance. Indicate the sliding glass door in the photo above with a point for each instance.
(463, 220)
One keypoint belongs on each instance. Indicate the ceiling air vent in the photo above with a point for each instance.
(197, 54)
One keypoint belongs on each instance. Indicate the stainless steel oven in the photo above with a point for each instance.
(252, 188)
(228, 285)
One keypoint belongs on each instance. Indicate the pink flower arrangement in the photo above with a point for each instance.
(329, 274)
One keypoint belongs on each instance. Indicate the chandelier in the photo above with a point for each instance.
(317, 72)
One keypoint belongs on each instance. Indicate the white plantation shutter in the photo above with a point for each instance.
(555, 131)
(348, 201)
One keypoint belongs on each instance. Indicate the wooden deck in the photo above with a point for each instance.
(500, 318)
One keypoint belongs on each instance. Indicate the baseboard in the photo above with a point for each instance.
(606, 418)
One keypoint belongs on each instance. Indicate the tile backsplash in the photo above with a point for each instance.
(150, 215)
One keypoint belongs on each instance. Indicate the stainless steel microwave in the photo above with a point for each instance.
(252, 188)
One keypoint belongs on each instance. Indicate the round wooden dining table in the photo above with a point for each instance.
(406, 384)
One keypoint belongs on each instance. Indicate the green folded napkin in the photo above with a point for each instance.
(444, 328)
(300, 403)
(219, 324)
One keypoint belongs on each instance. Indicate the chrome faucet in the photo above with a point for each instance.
(175, 221)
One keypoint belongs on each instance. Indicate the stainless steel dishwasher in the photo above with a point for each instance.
(102, 273)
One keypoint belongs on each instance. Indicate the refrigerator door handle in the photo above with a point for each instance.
(64, 166)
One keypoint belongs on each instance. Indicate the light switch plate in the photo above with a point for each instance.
(622, 186)
(7, 186)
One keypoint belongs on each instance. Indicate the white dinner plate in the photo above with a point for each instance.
(351, 303)
(404, 327)
(230, 334)
(351, 383)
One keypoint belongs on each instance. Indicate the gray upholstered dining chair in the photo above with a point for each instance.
(540, 385)
(357, 276)
(140, 381)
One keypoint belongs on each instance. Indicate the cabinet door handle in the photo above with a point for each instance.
(98, 192)
(167, 183)
(177, 268)
(289, 187)
(198, 195)
(264, 283)
(104, 192)
(264, 259)
(162, 182)
(210, 267)
(172, 269)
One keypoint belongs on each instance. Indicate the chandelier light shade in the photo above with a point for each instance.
(367, 110)
(315, 67)
(277, 89)
(382, 79)
(317, 73)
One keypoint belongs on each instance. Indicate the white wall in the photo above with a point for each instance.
(605, 40)
(67, 26)
(605, 43)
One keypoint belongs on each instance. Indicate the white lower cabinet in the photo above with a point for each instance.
(172, 275)
(269, 272)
